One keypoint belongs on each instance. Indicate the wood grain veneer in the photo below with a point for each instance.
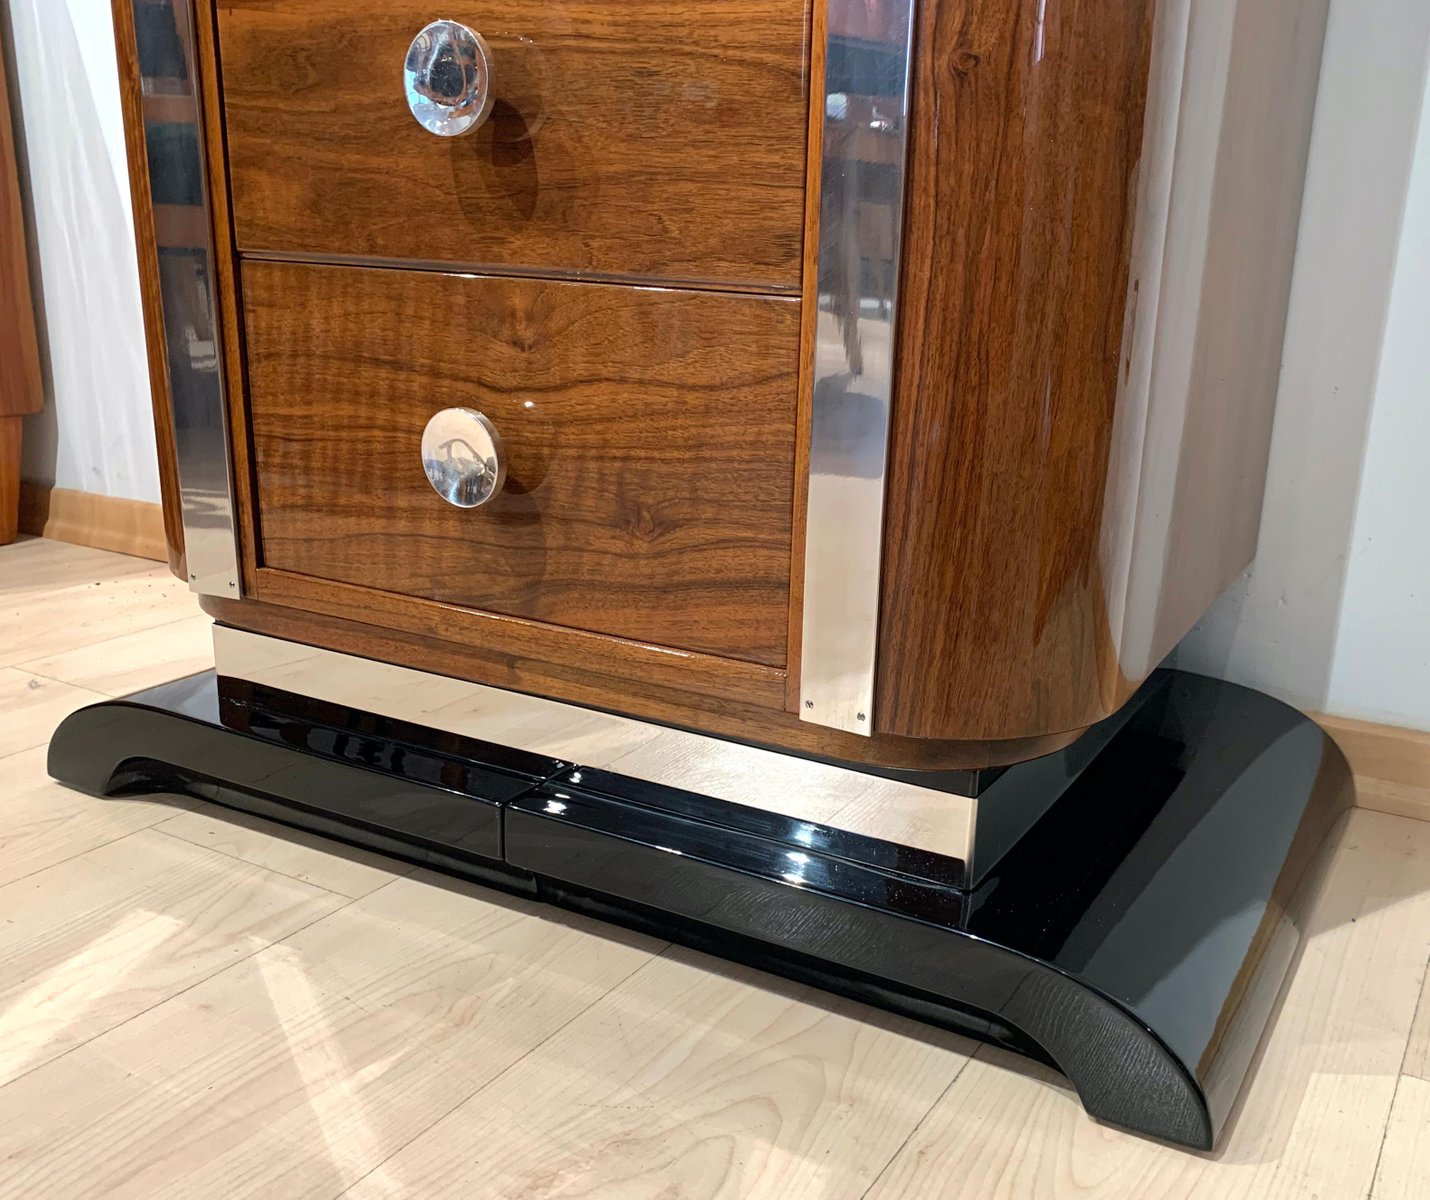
(643, 138)
(135, 106)
(1102, 209)
(649, 436)
(713, 695)
(21, 385)
(1100, 221)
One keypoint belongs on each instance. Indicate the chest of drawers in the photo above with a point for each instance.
(734, 467)
(879, 381)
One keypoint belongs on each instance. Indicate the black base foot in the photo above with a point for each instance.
(1136, 938)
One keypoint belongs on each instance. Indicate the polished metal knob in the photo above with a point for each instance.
(448, 77)
(463, 457)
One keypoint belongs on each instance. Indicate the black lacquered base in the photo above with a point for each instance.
(1136, 937)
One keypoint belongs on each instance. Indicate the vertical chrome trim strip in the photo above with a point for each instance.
(866, 109)
(183, 232)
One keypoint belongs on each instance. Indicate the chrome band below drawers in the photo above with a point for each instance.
(889, 810)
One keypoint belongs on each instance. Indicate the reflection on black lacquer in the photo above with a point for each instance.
(1135, 937)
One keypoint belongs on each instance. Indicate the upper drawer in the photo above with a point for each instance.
(627, 138)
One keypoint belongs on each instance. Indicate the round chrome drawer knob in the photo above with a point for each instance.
(463, 457)
(447, 77)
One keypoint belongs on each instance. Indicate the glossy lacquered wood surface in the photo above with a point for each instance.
(135, 107)
(648, 436)
(1102, 208)
(10, 438)
(21, 387)
(642, 138)
(720, 696)
(1032, 947)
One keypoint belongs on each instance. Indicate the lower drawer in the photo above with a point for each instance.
(649, 437)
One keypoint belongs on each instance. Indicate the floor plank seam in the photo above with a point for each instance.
(227, 966)
(1384, 1137)
(625, 979)
(273, 870)
(58, 862)
(70, 649)
(1306, 1129)
(1415, 1018)
(919, 1124)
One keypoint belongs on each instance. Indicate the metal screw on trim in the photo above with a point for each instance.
(809, 704)
(862, 717)
(193, 579)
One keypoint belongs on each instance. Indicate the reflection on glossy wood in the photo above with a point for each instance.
(21, 386)
(134, 107)
(509, 651)
(1022, 178)
(1091, 325)
(11, 433)
(648, 435)
(715, 695)
(640, 138)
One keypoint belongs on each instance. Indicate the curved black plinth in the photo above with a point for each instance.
(1136, 937)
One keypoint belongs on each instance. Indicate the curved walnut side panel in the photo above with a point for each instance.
(1102, 216)
(131, 98)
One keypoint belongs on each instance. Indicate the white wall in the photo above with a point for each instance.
(95, 434)
(1327, 618)
(1382, 661)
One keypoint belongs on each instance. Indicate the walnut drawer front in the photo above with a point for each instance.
(649, 436)
(635, 138)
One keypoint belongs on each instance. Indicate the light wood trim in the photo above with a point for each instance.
(84, 519)
(1391, 765)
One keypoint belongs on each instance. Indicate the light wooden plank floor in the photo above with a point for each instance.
(192, 1005)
